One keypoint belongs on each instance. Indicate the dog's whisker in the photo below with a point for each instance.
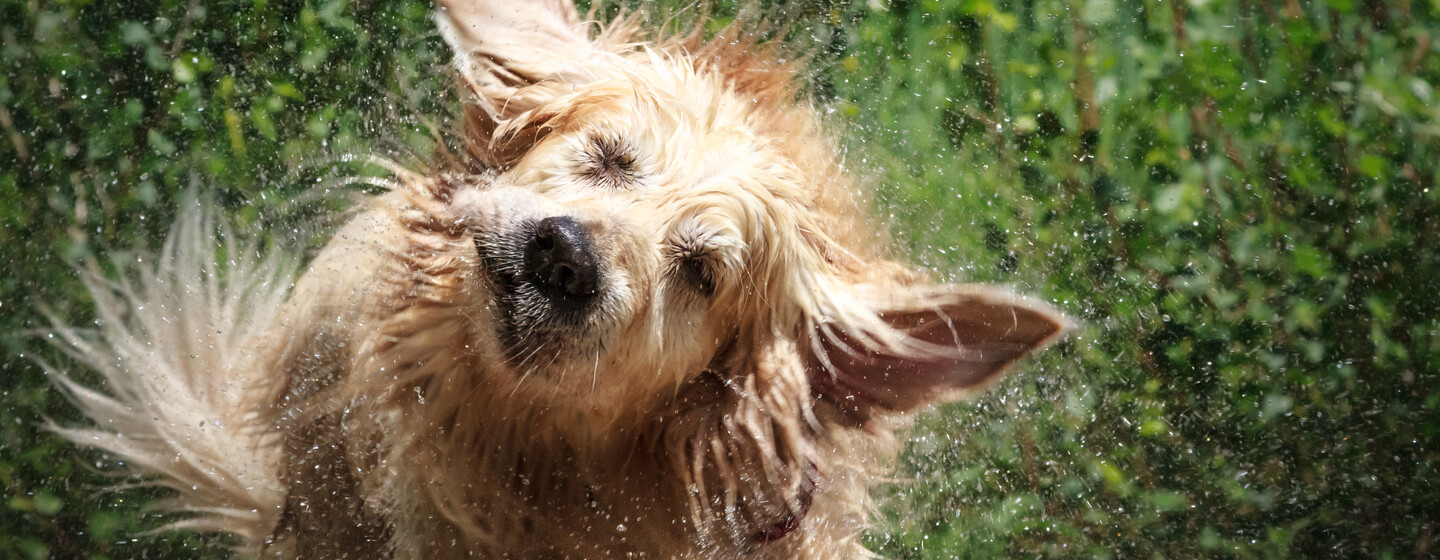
(534, 368)
(523, 362)
(519, 382)
(595, 372)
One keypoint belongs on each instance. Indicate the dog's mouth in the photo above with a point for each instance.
(548, 287)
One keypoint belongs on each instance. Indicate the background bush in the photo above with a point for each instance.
(1236, 199)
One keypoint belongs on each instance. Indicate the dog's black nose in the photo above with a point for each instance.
(559, 262)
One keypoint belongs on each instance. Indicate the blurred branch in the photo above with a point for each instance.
(1084, 77)
(16, 139)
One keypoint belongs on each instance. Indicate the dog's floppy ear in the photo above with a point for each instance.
(925, 344)
(515, 57)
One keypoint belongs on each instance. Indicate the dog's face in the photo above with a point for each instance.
(621, 245)
(650, 213)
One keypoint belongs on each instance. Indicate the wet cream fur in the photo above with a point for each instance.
(381, 412)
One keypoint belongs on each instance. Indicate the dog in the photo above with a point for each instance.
(646, 318)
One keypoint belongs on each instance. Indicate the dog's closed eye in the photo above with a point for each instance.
(692, 263)
(609, 161)
(703, 253)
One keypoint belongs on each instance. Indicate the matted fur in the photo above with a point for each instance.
(727, 386)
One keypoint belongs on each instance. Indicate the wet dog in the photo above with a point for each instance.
(647, 318)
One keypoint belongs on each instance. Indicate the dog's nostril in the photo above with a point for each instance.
(559, 261)
(575, 283)
(544, 240)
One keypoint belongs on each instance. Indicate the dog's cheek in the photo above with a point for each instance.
(483, 336)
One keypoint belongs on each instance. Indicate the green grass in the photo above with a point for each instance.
(1237, 200)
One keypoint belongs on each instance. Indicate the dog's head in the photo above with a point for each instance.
(651, 211)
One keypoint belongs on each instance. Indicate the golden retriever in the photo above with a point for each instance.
(648, 318)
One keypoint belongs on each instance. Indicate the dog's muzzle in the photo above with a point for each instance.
(548, 280)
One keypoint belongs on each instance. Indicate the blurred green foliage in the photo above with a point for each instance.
(1237, 201)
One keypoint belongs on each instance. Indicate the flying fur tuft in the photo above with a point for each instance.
(172, 343)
